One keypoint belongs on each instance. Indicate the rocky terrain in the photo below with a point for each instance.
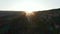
(43, 22)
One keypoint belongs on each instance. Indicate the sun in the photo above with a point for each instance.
(28, 13)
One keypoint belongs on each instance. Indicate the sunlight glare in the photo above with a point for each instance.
(28, 13)
(28, 7)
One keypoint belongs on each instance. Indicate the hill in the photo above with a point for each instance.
(43, 22)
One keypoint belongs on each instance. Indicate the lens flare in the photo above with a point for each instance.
(29, 13)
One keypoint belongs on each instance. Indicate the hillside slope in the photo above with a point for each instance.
(43, 22)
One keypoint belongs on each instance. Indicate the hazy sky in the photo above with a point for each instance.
(29, 4)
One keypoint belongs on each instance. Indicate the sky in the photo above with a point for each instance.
(29, 5)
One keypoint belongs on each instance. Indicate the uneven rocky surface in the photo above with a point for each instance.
(43, 22)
